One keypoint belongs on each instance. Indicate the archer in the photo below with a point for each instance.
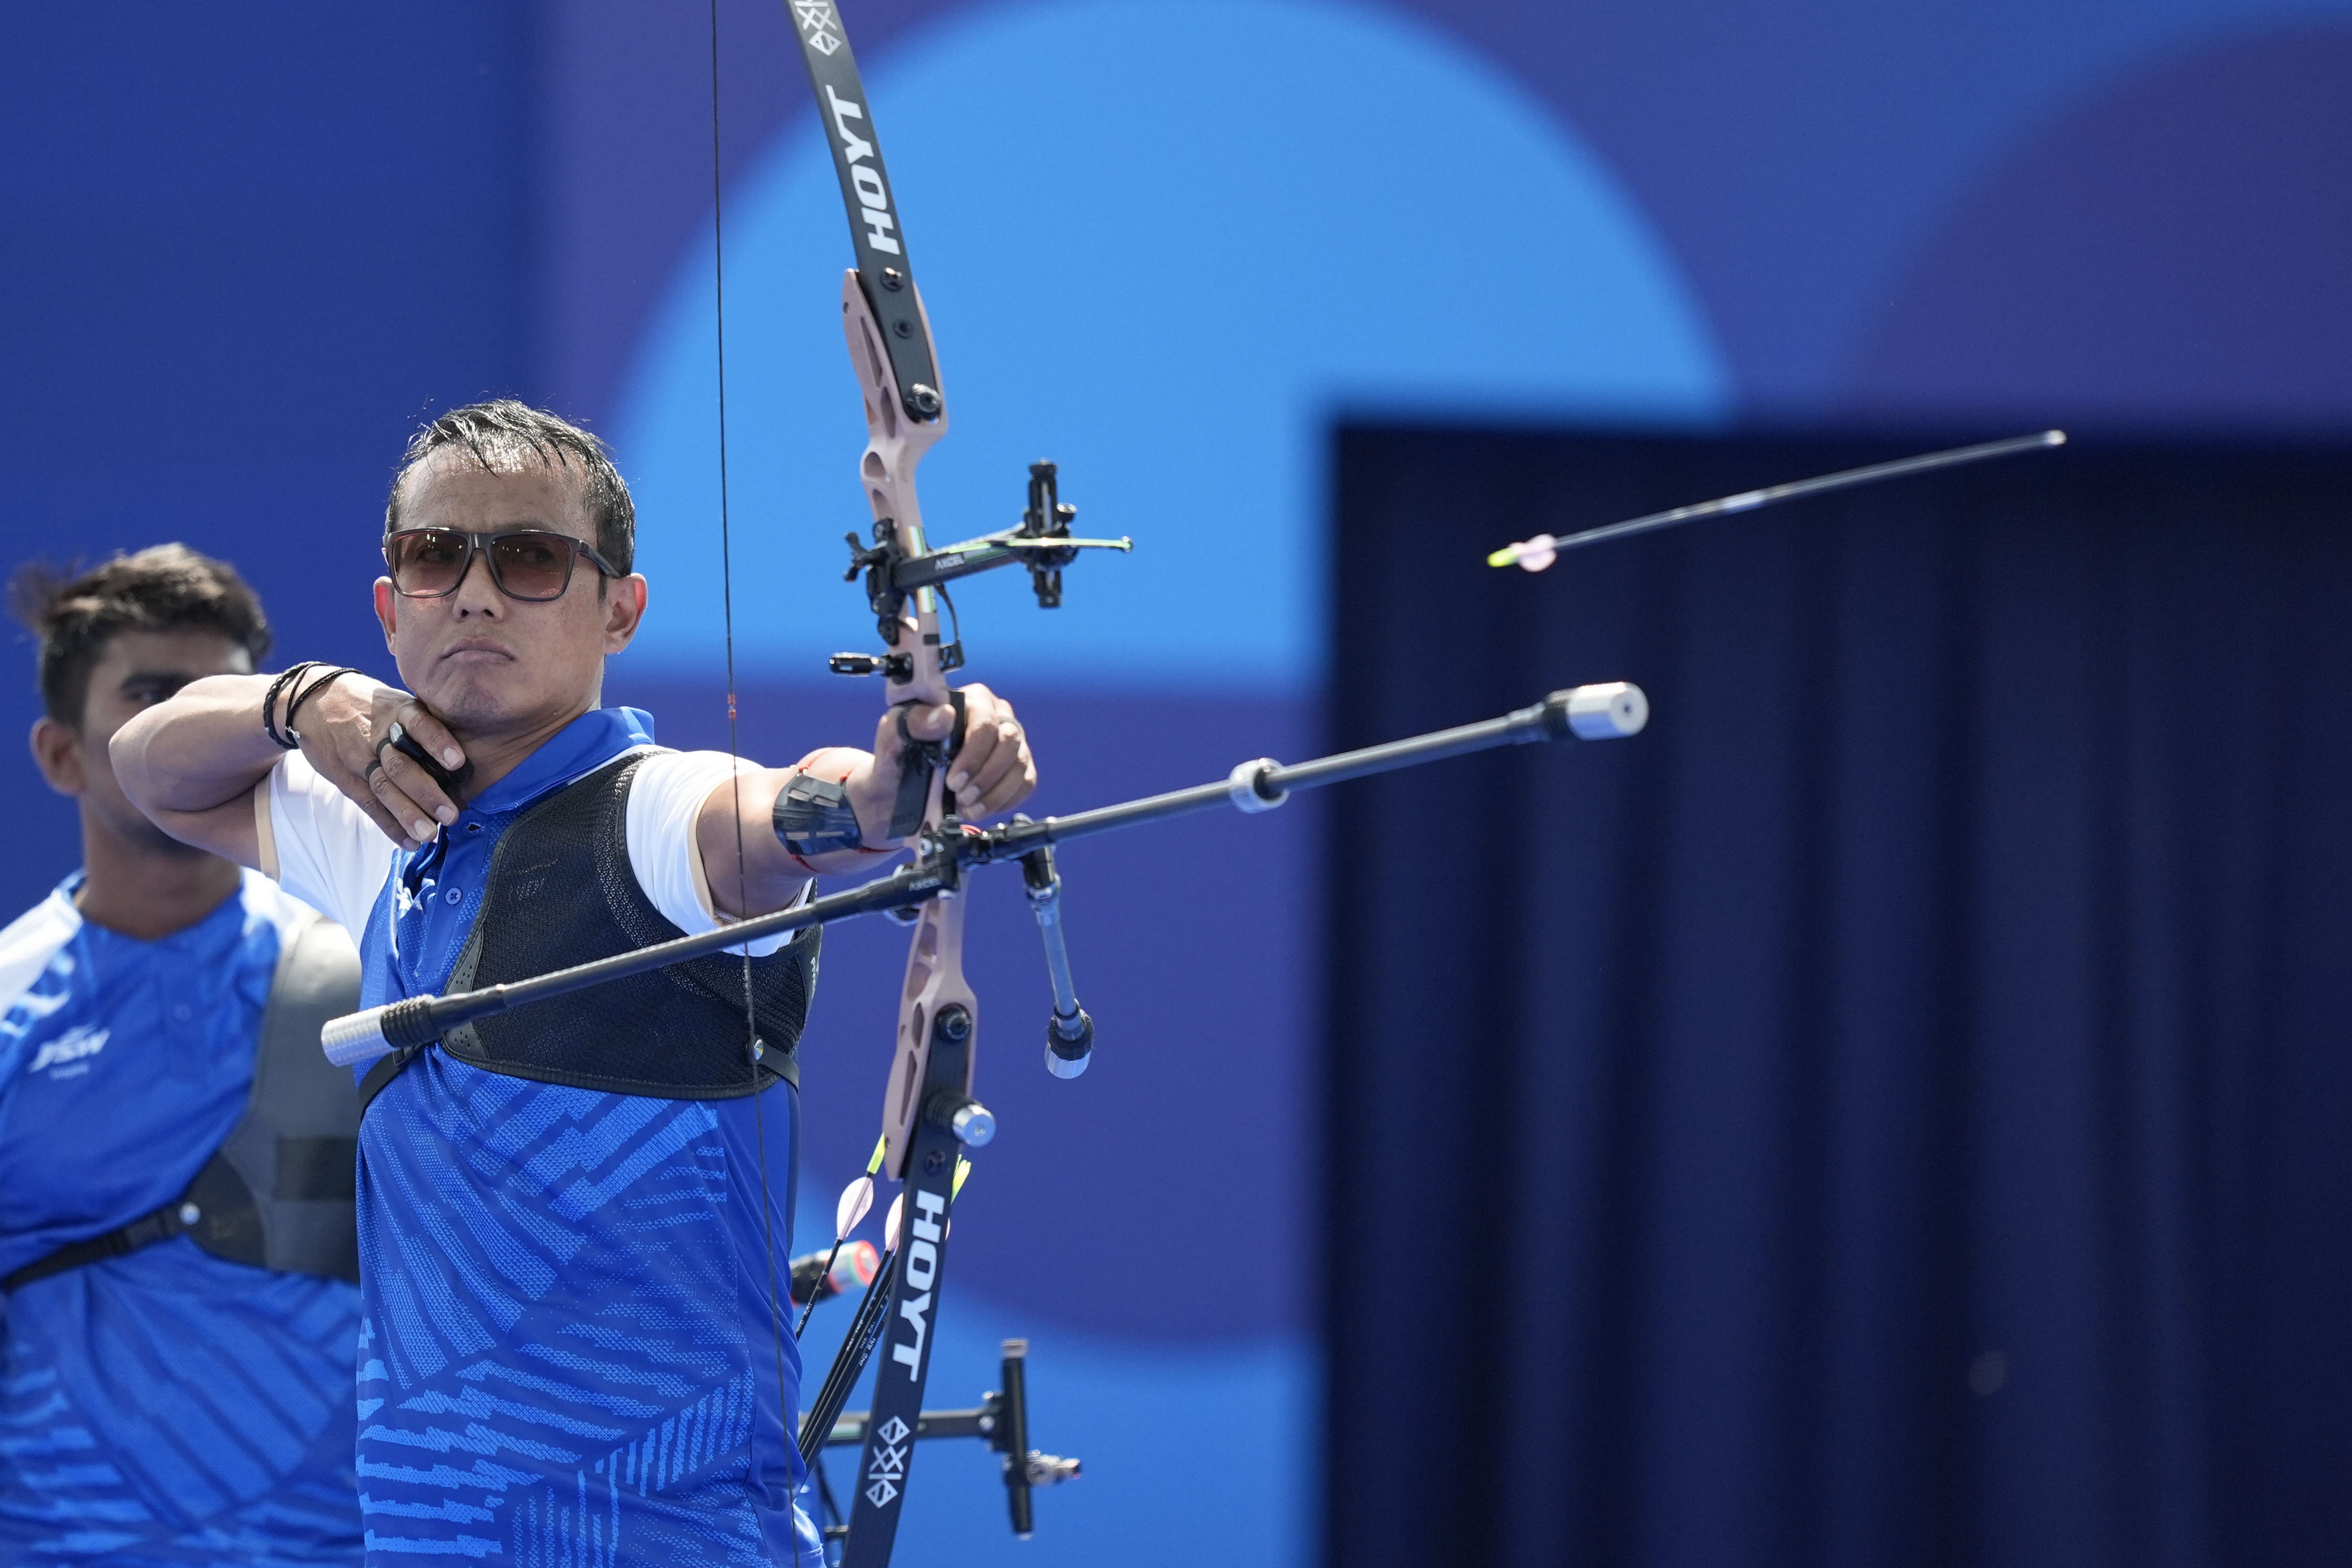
(567, 1215)
(159, 1249)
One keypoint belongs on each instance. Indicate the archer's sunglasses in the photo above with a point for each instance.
(530, 564)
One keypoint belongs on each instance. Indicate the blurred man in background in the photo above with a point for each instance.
(178, 1307)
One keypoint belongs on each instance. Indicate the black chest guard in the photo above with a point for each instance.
(560, 891)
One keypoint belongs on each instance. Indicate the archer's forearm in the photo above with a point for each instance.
(201, 749)
(748, 869)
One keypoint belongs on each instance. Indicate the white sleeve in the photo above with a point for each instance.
(28, 944)
(330, 854)
(665, 800)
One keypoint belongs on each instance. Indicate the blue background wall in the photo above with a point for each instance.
(243, 252)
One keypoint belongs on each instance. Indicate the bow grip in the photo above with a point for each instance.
(917, 761)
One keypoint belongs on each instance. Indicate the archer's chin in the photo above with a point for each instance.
(482, 696)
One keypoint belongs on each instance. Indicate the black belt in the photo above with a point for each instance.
(174, 1218)
(217, 1211)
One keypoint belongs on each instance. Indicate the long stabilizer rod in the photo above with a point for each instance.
(1535, 554)
(1601, 713)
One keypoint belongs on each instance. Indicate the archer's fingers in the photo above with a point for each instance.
(418, 787)
(395, 792)
(984, 716)
(1016, 786)
(982, 741)
(925, 721)
(385, 807)
(363, 796)
(356, 781)
(982, 707)
(988, 750)
(1008, 779)
(425, 726)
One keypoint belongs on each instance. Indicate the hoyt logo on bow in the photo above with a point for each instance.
(922, 1267)
(886, 1466)
(820, 28)
(865, 174)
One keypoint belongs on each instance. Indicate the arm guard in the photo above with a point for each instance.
(813, 817)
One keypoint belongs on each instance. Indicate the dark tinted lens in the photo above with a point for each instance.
(426, 562)
(532, 565)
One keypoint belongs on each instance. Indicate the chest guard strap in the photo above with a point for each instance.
(278, 1193)
(560, 891)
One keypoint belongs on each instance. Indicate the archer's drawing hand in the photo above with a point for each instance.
(991, 774)
(345, 733)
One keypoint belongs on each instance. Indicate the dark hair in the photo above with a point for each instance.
(499, 433)
(167, 587)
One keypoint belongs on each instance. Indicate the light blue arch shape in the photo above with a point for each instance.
(1160, 243)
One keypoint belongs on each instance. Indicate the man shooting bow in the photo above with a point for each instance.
(567, 1336)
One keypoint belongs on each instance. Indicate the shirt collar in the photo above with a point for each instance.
(593, 739)
(65, 893)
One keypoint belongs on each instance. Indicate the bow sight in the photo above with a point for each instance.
(1041, 541)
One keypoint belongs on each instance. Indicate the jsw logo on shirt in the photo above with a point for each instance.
(73, 1045)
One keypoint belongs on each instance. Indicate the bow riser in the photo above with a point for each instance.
(935, 985)
(895, 447)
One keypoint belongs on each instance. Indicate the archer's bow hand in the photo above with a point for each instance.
(763, 834)
(990, 773)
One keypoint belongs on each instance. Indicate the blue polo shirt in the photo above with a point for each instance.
(167, 1406)
(567, 1353)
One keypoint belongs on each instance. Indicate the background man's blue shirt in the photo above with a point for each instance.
(167, 1406)
(567, 1352)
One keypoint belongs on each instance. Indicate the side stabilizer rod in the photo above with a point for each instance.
(1606, 711)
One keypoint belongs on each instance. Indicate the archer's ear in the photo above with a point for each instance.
(387, 614)
(624, 611)
(57, 752)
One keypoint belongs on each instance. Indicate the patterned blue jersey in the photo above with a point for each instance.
(567, 1353)
(167, 1406)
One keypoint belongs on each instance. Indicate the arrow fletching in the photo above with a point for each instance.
(856, 1200)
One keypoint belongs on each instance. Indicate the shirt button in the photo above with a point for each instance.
(455, 896)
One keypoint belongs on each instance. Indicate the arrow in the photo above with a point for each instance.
(1535, 554)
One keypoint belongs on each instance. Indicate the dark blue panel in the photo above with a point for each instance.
(243, 248)
(1892, 1109)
